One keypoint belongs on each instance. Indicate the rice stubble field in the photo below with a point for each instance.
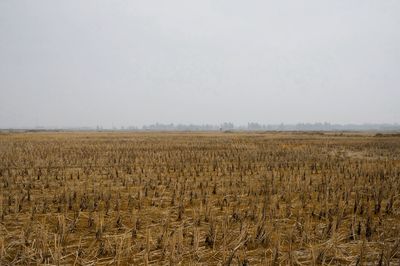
(222, 198)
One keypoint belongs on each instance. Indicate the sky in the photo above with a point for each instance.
(129, 63)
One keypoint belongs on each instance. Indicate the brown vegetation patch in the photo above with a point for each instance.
(199, 198)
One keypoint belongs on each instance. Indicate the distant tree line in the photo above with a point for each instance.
(253, 126)
(228, 126)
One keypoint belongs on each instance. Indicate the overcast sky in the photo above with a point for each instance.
(121, 63)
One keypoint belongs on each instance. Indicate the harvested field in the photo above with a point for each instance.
(199, 198)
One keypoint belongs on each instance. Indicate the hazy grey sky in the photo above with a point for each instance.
(88, 63)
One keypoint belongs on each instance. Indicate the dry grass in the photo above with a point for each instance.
(199, 199)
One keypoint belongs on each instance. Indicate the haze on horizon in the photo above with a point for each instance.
(122, 63)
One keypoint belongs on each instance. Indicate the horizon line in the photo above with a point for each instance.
(225, 126)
